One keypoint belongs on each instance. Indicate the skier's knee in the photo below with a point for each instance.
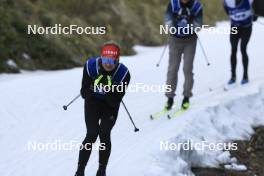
(234, 49)
(105, 137)
(244, 52)
(90, 138)
(245, 58)
(188, 72)
(106, 142)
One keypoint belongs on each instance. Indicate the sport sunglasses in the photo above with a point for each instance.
(110, 61)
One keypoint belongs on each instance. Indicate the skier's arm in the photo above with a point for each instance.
(169, 16)
(226, 9)
(198, 19)
(255, 16)
(86, 83)
(114, 98)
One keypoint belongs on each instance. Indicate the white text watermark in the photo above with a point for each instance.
(58, 145)
(58, 29)
(133, 88)
(199, 146)
(190, 29)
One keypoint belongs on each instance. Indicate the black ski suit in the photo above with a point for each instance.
(100, 116)
(243, 35)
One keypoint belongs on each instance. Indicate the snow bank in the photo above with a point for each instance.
(221, 123)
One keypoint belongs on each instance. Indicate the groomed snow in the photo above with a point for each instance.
(31, 110)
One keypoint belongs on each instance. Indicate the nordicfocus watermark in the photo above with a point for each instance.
(199, 146)
(58, 29)
(190, 29)
(58, 145)
(133, 88)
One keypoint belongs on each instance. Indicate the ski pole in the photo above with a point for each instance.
(65, 107)
(203, 50)
(162, 54)
(136, 129)
(257, 20)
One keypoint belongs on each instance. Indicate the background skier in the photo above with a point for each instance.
(241, 16)
(101, 108)
(182, 13)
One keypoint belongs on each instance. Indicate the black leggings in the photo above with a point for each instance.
(244, 34)
(99, 119)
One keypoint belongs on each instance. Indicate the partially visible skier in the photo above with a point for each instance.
(241, 16)
(182, 46)
(101, 107)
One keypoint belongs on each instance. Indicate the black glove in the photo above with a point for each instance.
(83, 93)
(255, 18)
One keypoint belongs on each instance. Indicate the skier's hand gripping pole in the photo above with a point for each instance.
(136, 129)
(256, 17)
(65, 107)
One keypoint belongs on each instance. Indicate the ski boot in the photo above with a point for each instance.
(232, 81)
(244, 80)
(185, 103)
(169, 104)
